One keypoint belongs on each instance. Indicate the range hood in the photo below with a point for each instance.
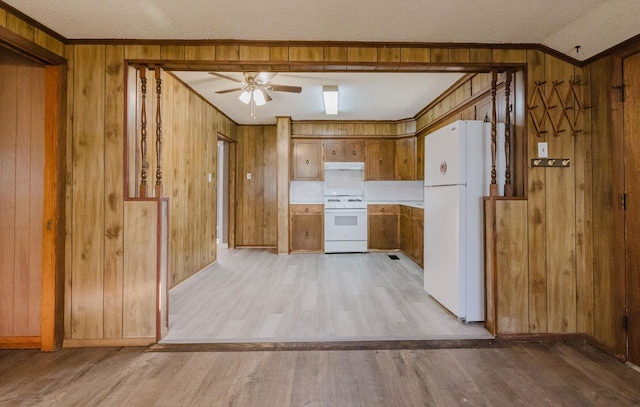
(344, 166)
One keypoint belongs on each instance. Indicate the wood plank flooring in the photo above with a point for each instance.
(253, 295)
(550, 374)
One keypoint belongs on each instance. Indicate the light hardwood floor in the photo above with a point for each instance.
(531, 374)
(253, 295)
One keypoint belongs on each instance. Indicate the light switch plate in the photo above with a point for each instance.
(248, 175)
(543, 150)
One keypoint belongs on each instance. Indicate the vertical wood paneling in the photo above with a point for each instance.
(560, 218)
(113, 190)
(200, 52)
(20, 27)
(87, 230)
(172, 52)
(608, 224)
(283, 143)
(537, 213)
(584, 204)
(142, 52)
(256, 219)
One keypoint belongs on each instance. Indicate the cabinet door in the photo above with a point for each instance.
(307, 160)
(406, 159)
(383, 231)
(418, 241)
(354, 151)
(380, 160)
(333, 150)
(406, 234)
(306, 229)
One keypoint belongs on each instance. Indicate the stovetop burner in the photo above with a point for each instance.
(344, 202)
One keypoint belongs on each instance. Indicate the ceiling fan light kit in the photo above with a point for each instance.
(330, 94)
(254, 88)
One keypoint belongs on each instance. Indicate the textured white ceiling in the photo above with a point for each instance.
(595, 25)
(362, 96)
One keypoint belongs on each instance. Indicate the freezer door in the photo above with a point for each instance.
(444, 247)
(444, 156)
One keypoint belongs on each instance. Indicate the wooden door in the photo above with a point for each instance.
(22, 170)
(333, 150)
(632, 213)
(307, 226)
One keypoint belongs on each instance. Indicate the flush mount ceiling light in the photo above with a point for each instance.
(330, 94)
(254, 88)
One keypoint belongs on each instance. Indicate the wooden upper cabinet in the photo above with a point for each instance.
(354, 151)
(344, 150)
(406, 159)
(380, 160)
(333, 150)
(307, 160)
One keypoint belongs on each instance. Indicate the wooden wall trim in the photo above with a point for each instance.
(31, 21)
(20, 342)
(23, 46)
(53, 252)
(95, 343)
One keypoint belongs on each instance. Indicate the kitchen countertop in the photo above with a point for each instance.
(413, 204)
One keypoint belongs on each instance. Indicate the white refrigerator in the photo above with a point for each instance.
(457, 177)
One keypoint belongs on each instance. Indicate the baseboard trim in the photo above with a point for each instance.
(100, 343)
(20, 342)
(328, 345)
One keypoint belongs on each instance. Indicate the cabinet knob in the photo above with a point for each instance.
(380, 162)
(406, 160)
(382, 210)
(333, 152)
(354, 152)
(307, 161)
(306, 209)
(384, 233)
(306, 234)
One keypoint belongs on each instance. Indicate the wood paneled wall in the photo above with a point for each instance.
(572, 283)
(22, 156)
(190, 136)
(257, 203)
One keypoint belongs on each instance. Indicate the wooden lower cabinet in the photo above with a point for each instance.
(383, 227)
(307, 228)
(411, 233)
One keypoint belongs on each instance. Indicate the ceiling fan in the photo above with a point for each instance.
(254, 88)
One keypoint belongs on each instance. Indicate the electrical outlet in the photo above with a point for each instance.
(210, 177)
(248, 175)
(543, 150)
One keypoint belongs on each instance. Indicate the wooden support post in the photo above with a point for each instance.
(493, 187)
(143, 132)
(508, 187)
(158, 135)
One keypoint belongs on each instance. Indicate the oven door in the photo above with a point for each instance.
(345, 224)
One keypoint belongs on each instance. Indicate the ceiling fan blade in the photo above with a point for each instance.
(224, 76)
(229, 90)
(265, 77)
(285, 88)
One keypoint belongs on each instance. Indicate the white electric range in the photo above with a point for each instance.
(345, 224)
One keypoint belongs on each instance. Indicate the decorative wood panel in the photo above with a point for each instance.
(283, 140)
